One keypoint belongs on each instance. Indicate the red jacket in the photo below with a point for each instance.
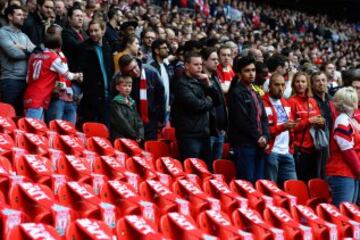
(345, 138)
(276, 129)
(302, 108)
(225, 76)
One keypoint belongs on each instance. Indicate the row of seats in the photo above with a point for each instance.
(56, 181)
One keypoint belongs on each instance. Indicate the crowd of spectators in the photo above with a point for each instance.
(280, 86)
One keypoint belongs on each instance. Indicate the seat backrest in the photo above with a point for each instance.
(32, 125)
(297, 188)
(158, 149)
(196, 166)
(85, 228)
(92, 129)
(168, 133)
(226, 168)
(62, 127)
(32, 231)
(350, 210)
(6, 110)
(7, 125)
(319, 188)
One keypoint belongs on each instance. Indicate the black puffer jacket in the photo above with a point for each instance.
(192, 105)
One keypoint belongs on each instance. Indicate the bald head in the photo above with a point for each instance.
(276, 86)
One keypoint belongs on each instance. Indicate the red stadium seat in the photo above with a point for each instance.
(62, 127)
(226, 151)
(33, 231)
(196, 166)
(70, 145)
(257, 200)
(251, 221)
(112, 167)
(168, 134)
(350, 210)
(32, 125)
(163, 197)
(215, 223)
(6, 110)
(75, 168)
(35, 144)
(229, 199)
(9, 218)
(345, 226)
(280, 218)
(92, 129)
(299, 189)
(169, 166)
(181, 227)
(89, 229)
(321, 229)
(281, 198)
(6, 143)
(127, 201)
(136, 227)
(34, 167)
(226, 168)
(128, 146)
(81, 198)
(7, 125)
(158, 149)
(101, 146)
(319, 188)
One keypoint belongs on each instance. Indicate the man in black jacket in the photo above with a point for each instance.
(248, 123)
(36, 23)
(147, 90)
(218, 115)
(194, 97)
(97, 67)
(73, 35)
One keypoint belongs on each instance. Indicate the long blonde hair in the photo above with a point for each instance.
(308, 88)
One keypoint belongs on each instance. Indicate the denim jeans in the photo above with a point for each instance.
(216, 145)
(12, 92)
(194, 147)
(37, 113)
(60, 109)
(249, 162)
(280, 167)
(343, 189)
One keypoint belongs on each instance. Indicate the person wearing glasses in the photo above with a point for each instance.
(147, 38)
(160, 52)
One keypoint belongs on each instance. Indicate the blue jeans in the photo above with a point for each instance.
(280, 167)
(194, 147)
(37, 113)
(249, 162)
(343, 189)
(216, 145)
(60, 109)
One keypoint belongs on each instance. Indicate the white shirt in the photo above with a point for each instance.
(288, 88)
(281, 144)
(166, 82)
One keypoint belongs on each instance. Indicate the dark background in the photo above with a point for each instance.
(338, 9)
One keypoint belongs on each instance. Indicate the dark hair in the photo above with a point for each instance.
(206, 52)
(191, 45)
(128, 39)
(10, 10)
(112, 12)
(190, 55)
(71, 11)
(275, 61)
(125, 61)
(52, 39)
(145, 31)
(41, 2)
(156, 44)
(241, 62)
(259, 66)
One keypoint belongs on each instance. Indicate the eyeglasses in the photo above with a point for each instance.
(166, 47)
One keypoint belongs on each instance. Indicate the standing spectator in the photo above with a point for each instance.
(194, 97)
(45, 68)
(130, 46)
(147, 38)
(278, 64)
(30, 6)
(36, 23)
(248, 123)
(224, 69)
(148, 93)
(73, 35)
(112, 33)
(319, 89)
(333, 76)
(219, 117)
(262, 75)
(305, 110)
(60, 12)
(280, 164)
(160, 52)
(343, 167)
(125, 121)
(15, 48)
(97, 66)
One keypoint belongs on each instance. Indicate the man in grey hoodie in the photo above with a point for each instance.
(15, 48)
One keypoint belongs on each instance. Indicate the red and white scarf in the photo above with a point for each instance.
(144, 107)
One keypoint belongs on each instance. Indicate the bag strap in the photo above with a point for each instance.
(304, 131)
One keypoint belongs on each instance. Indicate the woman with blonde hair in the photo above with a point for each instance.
(343, 166)
(306, 113)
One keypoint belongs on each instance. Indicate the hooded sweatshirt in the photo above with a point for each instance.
(13, 60)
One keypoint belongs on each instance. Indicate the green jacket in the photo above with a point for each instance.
(125, 121)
